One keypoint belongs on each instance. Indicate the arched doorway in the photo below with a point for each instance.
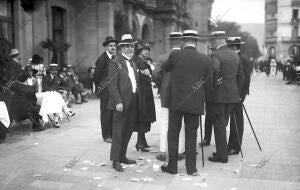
(146, 33)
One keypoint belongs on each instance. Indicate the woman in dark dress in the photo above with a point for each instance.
(146, 106)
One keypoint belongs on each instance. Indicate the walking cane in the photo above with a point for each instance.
(252, 128)
(201, 141)
(238, 136)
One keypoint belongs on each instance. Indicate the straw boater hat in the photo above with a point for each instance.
(218, 35)
(234, 41)
(53, 67)
(14, 52)
(175, 35)
(126, 39)
(108, 40)
(190, 34)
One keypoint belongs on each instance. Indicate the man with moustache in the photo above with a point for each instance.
(99, 78)
(236, 117)
(227, 78)
(189, 70)
(122, 89)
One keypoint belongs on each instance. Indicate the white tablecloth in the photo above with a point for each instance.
(4, 117)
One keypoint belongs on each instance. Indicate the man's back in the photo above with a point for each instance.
(229, 74)
(188, 69)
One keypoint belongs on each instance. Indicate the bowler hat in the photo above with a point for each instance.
(190, 34)
(36, 59)
(234, 41)
(127, 39)
(218, 35)
(109, 39)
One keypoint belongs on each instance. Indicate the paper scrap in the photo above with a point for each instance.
(139, 171)
(37, 175)
(84, 168)
(135, 179)
(86, 161)
(101, 164)
(67, 169)
(201, 184)
(36, 143)
(99, 185)
(234, 188)
(97, 178)
(147, 179)
(156, 167)
(186, 179)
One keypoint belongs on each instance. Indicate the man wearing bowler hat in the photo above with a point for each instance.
(99, 78)
(236, 117)
(228, 75)
(189, 70)
(122, 89)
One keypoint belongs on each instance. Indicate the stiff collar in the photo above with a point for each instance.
(109, 54)
(126, 57)
(176, 48)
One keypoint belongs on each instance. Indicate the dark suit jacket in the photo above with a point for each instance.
(247, 68)
(231, 72)
(101, 70)
(187, 68)
(119, 84)
(49, 84)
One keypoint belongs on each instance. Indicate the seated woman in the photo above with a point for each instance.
(52, 102)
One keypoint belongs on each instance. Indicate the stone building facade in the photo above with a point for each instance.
(85, 24)
(282, 28)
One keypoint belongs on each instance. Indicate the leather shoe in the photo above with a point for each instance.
(117, 166)
(167, 170)
(233, 152)
(204, 143)
(127, 161)
(161, 157)
(195, 173)
(215, 159)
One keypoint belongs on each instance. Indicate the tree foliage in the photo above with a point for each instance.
(250, 48)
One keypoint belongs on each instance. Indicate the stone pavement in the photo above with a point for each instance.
(75, 156)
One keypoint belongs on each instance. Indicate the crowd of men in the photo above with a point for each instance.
(190, 84)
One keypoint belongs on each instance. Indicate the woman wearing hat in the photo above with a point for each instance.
(37, 64)
(31, 81)
(146, 106)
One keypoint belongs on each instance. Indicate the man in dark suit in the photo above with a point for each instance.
(189, 69)
(122, 89)
(51, 81)
(236, 117)
(99, 77)
(227, 79)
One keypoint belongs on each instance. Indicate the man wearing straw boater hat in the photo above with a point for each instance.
(99, 77)
(236, 117)
(189, 69)
(226, 79)
(175, 43)
(122, 89)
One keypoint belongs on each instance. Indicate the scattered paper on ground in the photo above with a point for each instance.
(186, 179)
(156, 167)
(37, 175)
(97, 178)
(147, 179)
(135, 179)
(139, 171)
(101, 164)
(237, 171)
(67, 169)
(84, 168)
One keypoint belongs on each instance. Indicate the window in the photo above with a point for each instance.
(6, 20)
(58, 31)
(295, 13)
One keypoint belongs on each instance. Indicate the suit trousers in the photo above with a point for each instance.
(164, 132)
(236, 131)
(191, 122)
(208, 122)
(106, 116)
(220, 116)
(123, 125)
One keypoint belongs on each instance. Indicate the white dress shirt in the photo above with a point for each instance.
(131, 74)
(109, 55)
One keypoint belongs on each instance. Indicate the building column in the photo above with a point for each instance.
(105, 18)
